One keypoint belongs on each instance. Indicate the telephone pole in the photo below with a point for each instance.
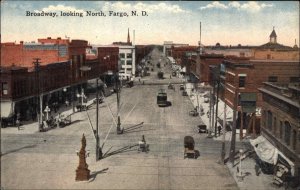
(233, 137)
(36, 64)
(118, 89)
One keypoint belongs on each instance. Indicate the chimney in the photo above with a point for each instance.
(59, 38)
(49, 38)
(21, 42)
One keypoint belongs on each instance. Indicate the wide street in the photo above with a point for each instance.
(48, 160)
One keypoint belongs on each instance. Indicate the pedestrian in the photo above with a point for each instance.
(257, 169)
(219, 129)
(18, 124)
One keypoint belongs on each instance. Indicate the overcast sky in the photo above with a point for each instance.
(226, 22)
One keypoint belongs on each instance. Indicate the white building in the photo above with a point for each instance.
(127, 61)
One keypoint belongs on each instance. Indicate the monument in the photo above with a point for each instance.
(82, 172)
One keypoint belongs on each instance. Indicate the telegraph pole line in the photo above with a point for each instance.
(233, 137)
(119, 130)
(224, 134)
(36, 64)
(98, 148)
(217, 102)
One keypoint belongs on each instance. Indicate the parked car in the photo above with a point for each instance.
(181, 87)
(202, 129)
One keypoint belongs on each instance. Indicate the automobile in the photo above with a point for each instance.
(184, 93)
(193, 113)
(202, 129)
(206, 100)
(170, 86)
(181, 87)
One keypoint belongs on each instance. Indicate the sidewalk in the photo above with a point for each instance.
(31, 127)
(249, 178)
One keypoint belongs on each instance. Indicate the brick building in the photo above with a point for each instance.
(55, 79)
(109, 56)
(179, 52)
(49, 50)
(280, 120)
(244, 76)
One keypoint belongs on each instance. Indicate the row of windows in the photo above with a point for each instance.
(128, 62)
(284, 128)
(242, 80)
(128, 55)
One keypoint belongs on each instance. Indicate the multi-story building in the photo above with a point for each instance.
(57, 74)
(127, 63)
(280, 121)
(246, 76)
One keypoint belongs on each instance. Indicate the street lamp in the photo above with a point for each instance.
(82, 96)
(118, 88)
(98, 148)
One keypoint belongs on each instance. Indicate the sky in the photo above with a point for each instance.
(224, 22)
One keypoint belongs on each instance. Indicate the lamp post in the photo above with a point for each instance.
(119, 130)
(118, 88)
(47, 110)
(82, 95)
(98, 148)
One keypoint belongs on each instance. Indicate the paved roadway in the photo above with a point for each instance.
(33, 160)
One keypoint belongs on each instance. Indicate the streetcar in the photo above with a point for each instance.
(162, 98)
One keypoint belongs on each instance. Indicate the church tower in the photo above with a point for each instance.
(128, 37)
(273, 36)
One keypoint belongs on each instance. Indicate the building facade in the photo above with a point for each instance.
(51, 79)
(280, 119)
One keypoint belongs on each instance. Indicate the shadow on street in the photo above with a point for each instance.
(18, 149)
(94, 174)
(118, 151)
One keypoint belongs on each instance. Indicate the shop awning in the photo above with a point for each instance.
(268, 153)
(7, 109)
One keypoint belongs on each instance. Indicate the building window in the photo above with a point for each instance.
(272, 79)
(123, 62)
(264, 118)
(281, 127)
(294, 139)
(122, 55)
(129, 62)
(242, 80)
(294, 79)
(129, 55)
(4, 88)
(268, 56)
(269, 120)
(275, 126)
(287, 132)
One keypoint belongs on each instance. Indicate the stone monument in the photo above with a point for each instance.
(82, 172)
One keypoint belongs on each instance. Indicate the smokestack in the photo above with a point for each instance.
(133, 41)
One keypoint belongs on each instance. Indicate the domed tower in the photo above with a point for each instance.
(273, 36)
